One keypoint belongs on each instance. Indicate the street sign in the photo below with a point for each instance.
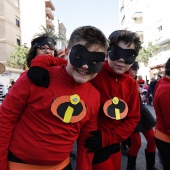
(2, 68)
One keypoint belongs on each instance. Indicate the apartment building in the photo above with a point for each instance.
(20, 20)
(131, 16)
(149, 18)
(10, 36)
(10, 28)
(156, 16)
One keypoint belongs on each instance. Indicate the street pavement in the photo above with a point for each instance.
(140, 162)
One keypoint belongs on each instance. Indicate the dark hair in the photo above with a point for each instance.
(33, 50)
(135, 66)
(55, 53)
(167, 67)
(127, 37)
(12, 82)
(90, 34)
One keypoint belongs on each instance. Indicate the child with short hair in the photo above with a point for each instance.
(38, 125)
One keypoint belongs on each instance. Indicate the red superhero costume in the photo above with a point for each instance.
(115, 131)
(40, 137)
(110, 85)
(124, 87)
(161, 105)
(162, 110)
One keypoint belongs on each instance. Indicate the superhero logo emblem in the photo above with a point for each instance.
(69, 109)
(115, 108)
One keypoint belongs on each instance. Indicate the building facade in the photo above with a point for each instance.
(156, 16)
(62, 34)
(131, 16)
(10, 28)
(149, 18)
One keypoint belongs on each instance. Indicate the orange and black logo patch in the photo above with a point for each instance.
(69, 109)
(115, 108)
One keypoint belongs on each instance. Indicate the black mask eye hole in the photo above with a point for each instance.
(78, 56)
(129, 55)
(94, 61)
(114, 52)
(134, 55)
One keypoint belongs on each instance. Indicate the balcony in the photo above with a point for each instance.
(49, 13)
(163, 41)
(163, 36)
(49, 23)
(49, 4)
(137, 15)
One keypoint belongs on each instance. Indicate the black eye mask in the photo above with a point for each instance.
(79, 56)
(45, 41)
(116, 52)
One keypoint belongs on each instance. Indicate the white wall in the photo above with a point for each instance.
(32, 17)
(155, 14)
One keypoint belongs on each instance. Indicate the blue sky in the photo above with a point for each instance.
(102, 14)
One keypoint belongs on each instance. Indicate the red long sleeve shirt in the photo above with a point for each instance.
(30, 130)
(162, 105)
(124, 87)
(109, 85)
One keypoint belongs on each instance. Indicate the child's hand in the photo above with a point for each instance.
(39, 76)
(94, 142)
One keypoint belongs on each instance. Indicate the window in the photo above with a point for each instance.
(17, 22)
(18, 41)
(123, 20)
(160, 28)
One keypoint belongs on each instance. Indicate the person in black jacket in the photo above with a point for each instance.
(151, 90)
(145, 126)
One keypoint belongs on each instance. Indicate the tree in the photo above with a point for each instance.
(50, 32)
(18, 57)
(147, 52)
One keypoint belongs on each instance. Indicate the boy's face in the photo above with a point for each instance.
(83, 74)
(119, 66)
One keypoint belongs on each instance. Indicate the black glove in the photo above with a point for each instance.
(39, 76)
(94, 142)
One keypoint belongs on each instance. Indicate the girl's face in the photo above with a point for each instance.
(119, 66)
(45, 50)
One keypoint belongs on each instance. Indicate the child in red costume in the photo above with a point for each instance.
(38, 125)
(119, 102)
(46, 44)
(162, 110)
(145, 126)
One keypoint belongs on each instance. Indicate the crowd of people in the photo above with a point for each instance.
(90, 94)
(147, 88)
